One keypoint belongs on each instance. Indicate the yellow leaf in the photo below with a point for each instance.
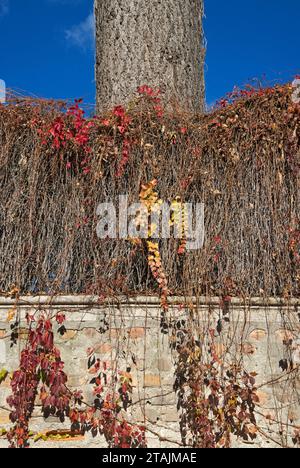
(11, 315)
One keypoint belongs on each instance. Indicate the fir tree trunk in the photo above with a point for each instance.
(159, 43)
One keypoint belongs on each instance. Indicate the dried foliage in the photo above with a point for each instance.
(241, 160)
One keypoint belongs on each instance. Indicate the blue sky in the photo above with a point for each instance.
(46, 46)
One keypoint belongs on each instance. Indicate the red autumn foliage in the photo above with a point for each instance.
(41, 372)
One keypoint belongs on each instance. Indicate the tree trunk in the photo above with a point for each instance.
(159, 43)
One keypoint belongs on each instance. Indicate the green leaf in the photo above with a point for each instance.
(3, 375)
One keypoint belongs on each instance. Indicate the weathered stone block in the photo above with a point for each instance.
(258, 335)
(70, 335)
(248, 348)
(152, 380)
(103, 348)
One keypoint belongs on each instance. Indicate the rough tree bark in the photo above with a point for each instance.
(159, 43)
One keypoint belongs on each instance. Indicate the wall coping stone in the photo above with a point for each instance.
(89, 300)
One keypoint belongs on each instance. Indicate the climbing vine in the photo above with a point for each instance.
(217, 399)
(77, 161)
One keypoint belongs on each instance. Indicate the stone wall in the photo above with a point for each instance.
(259, 330)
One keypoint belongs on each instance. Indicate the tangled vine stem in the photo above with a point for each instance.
(241, 161)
